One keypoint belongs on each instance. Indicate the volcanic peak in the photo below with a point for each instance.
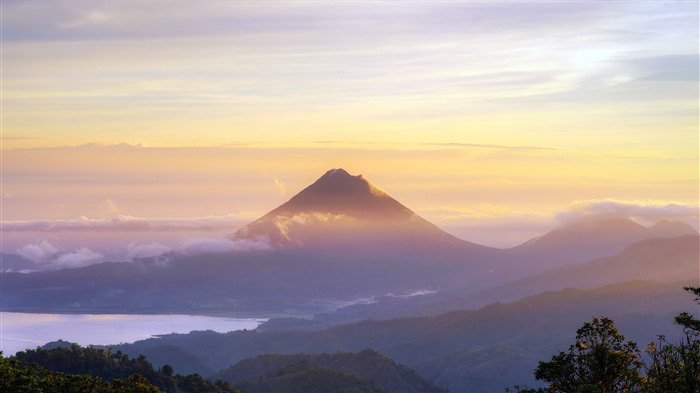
(343, 212)
(339, 192)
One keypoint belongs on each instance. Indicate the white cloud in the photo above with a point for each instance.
(79, 258)
(45, 254)
(285, 224)
(644, 211)
(280, 186)
(39, 252)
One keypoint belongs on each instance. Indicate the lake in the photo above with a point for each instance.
(20, 331)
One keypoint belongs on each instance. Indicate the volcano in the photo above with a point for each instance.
(344, 212)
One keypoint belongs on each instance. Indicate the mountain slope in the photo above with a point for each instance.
(661, 260)
(367, 364)
(587, 238)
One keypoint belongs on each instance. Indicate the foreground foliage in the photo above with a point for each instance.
(20, 377)
(91, 369)
(676, 367)
(600, 361)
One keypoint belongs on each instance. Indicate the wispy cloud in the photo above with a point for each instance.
(78, 258)
(39, 252)
(280, 186)
(214, 245)
(647, 211)
(125, 223)
(17, 138)
(490, 146)
(234, 63)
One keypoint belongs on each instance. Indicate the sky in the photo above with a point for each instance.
(133, 127)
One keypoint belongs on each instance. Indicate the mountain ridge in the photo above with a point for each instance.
(592, 237)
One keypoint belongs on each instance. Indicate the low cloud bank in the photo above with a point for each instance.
(44, 253)
(647, 212)
(79, 258)
(149, 250)
(46, 256)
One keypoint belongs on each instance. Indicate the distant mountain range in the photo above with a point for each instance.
(588, 238)
(338, 242)
(659, 260)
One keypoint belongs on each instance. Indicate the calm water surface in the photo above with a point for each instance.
(20, 331)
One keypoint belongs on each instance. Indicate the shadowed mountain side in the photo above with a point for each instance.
(16, 263)
(588, 238)
(244, 284)
(341, 212)
(661, 260)
(531, 329)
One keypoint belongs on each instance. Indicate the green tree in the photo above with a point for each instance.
(167, 370)
(600, 361)
(20, 377)
(676, 367)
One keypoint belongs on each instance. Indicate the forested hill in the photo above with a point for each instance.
(91, 366)
(265, 372)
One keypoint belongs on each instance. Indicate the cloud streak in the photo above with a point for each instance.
(125, 223)
(208, 245)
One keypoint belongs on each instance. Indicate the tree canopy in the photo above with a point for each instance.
(601, 361)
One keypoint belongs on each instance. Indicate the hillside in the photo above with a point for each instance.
(517, 333)
(590, 237)
(64, 367)
(368, 365)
